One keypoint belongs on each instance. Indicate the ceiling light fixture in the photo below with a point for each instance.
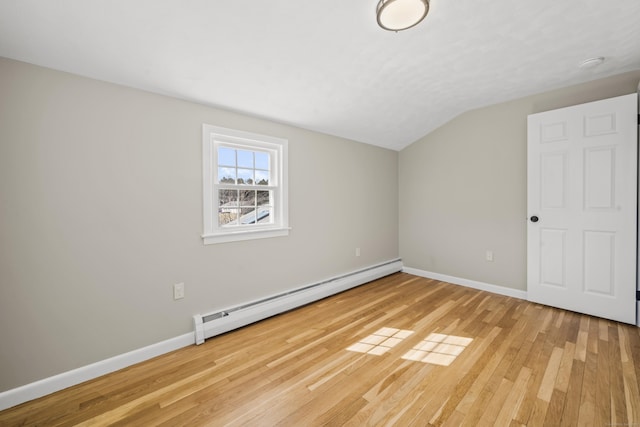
(591, 62)
(398, 15)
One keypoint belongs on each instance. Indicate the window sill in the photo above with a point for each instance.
(235, 236)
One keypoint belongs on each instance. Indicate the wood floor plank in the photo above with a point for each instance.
(571, 412)
(536, 361)
(555, 408)
(512, 403)
(630, 380)
(492, 409)
(564, 371)
(526, 365)
(618, 401)
(549, 378)
(601, 388)
(634, 343)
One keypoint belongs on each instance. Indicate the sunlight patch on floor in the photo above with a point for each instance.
(380, 341)
(438, 349)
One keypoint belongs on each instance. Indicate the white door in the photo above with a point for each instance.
(582, 207)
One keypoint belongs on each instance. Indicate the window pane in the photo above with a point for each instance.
(247, 198)
(263, 198)
(262, 160)
(245, 176)
(228, 204)
(245, 159)
(227, 175)
(248, 216)
(226, 156)
(227, 198)
(227, 218)
(265, 215)
(262, 177)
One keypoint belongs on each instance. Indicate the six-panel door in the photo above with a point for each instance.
(582, 189)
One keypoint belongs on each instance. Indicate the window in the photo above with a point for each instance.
(245, 185)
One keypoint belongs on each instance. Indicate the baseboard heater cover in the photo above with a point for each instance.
(216, 323)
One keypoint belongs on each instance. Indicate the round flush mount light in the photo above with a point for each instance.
(398, 15)
(591, 62)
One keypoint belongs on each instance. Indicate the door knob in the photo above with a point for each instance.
(534, 219)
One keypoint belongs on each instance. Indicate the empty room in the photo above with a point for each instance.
(387, 212)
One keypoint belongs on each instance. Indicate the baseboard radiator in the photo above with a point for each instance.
(219, 322)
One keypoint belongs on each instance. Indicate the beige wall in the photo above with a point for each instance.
(463, 187)
(101, 213)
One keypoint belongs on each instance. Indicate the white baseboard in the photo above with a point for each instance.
(67, 379)
(501, 290)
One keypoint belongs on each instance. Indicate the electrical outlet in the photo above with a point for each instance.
(357, 251)
(489, 255)
(178, 291)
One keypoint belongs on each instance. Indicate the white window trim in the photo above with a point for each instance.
(280, 227)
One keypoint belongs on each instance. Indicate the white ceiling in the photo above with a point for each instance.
(326, 65)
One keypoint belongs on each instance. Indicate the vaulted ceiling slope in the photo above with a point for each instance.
(326, 65)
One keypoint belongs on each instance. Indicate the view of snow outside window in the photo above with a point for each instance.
(243, 179)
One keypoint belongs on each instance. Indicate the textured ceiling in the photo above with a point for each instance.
(325, 65)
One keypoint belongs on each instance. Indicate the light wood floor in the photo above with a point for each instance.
(527, 364)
